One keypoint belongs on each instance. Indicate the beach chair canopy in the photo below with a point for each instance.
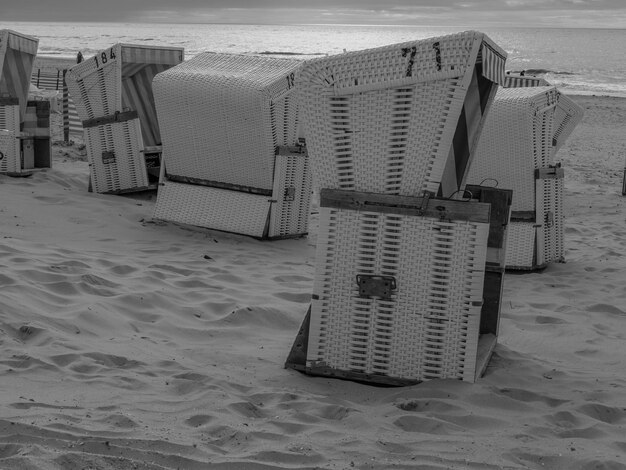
(223, 115)
(400, 119)
(119, 79)
(17, 55)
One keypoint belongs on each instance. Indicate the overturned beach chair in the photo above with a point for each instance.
(23, 148)
(232, 157)
(525, 129)
(112, 92)
(401, 257)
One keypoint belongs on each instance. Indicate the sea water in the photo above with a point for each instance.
(578, 61)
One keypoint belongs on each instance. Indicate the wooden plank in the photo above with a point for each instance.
(500, 200)
(444, 209)
(111, 118)
(523, 216)
(292, 150)
(218, 184)
(486, 345)
(297, 356)
(549, 173)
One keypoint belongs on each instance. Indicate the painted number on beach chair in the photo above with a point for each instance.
(102, 58)
(409, 51)
(437, 55)
(291, 78)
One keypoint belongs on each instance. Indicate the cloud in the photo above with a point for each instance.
(433, 12)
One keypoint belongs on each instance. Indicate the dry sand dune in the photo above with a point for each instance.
(133, 344)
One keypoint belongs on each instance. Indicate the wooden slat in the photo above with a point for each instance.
(447, 209)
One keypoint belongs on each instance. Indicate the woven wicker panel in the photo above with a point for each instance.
(521, 246)
(115, 155)
(219, 209)
(222, 116)
(429, 328)
(9, 152)
(9, 143)
(551, 204)
(292, 196)
(383, 120)
(567, 116)
(95, 85)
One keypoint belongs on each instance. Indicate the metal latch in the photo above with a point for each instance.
(108, 156)
(290, 194)
(376, 286)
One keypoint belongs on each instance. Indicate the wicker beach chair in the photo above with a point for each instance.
(112, 92)
(524, 162)
(400, 265)
(17, 55)
(536, 121)
(230, 145)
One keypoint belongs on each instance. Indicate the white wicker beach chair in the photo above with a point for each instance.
(17, 55)
(398, 290)
(230, 132)
(517, 150)
(112, 92)
(400, 272)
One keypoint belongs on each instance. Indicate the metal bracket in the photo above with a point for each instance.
(289, 194)
(376, 286)
(108, 156)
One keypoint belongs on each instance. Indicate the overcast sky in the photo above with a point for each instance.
(561, 13)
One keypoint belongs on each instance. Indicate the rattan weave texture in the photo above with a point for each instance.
(429, 327)
(283, 214)
(223, 115)
(115, 158)
(387, 120)
(10, 146)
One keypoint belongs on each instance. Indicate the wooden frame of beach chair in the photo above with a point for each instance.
(400, 263)
(523, 162)
(231, 150)
(17, 55)
(112, 92)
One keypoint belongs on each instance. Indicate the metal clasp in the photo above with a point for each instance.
(376, 286)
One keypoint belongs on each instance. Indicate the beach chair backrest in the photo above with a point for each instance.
(400, 119)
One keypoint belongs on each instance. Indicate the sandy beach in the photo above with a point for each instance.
(129, 343)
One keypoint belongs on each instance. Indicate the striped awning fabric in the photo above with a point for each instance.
(487, 74)
(517, 81)
(493, 60)
(151, 54)
(17, 55)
